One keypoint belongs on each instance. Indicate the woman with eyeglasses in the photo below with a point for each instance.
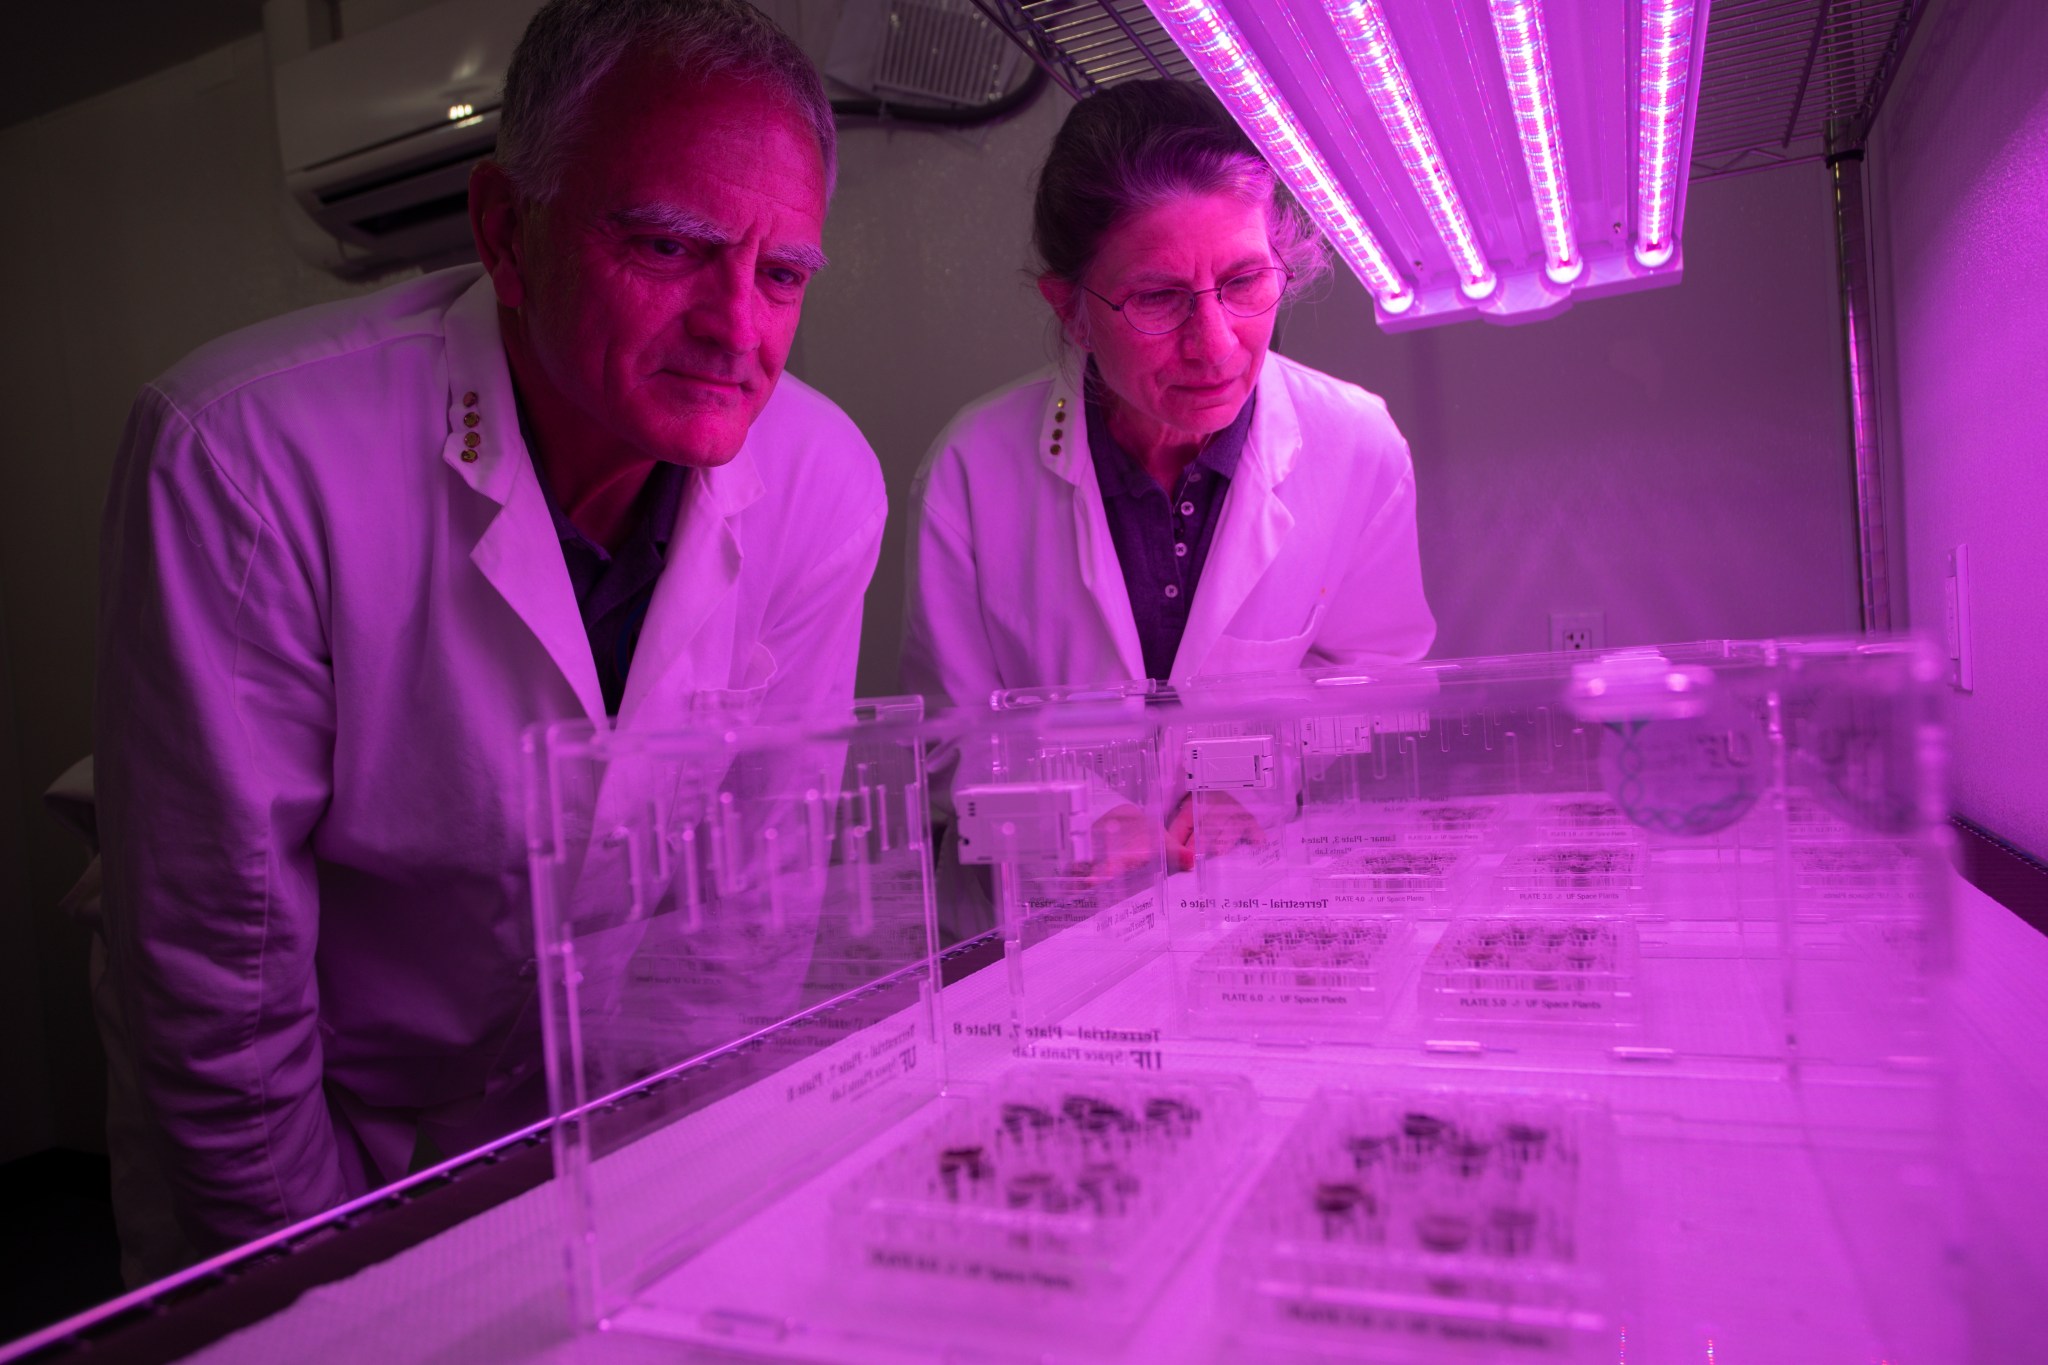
(1172, 499)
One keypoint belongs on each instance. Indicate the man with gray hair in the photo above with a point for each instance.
(351, 554)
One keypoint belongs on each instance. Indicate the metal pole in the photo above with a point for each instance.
(1852, 262)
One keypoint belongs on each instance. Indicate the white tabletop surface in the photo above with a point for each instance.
(491, 1289)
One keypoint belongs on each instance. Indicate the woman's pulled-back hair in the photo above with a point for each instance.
(1140, 144)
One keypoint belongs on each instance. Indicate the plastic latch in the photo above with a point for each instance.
(1023, 822)
(1229, 763)
(1321, 735)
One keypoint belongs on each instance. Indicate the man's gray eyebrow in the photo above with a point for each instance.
(808, 258)
(682, 223)
(672, 220)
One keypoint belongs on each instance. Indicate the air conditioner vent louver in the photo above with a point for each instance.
(379, 131)
(453, 207)
(463, 157)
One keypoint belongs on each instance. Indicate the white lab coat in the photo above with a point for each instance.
(323, 630)
(1014, 581)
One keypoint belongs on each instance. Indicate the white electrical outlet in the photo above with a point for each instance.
(1573, 632)
(1956, 617)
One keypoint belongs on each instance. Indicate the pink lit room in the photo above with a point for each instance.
(1472, 790)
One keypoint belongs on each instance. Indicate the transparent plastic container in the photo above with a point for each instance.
(1582, 818)
(1424, 880)
(1065, 1192)
(1572, 876)
(1299, 977)
(766, 1081)
(1430, 1226)
(736, 932)
(1848, 876)
(1520, 970)
(1065, 805)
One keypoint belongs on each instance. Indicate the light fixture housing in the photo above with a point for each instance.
(1518, 30)
(1206, 33)
(1665, 87)
(1541, 141)
(1377, 62)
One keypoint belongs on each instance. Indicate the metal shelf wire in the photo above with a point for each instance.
(1787, 81)
(1784, 81)
(1086, 45)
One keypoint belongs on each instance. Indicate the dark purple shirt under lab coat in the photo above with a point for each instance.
(1161, 542)
(613, 588)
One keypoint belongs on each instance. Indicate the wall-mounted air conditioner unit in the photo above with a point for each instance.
(378, 131)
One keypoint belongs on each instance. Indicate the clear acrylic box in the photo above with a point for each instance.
(1572, 876)
(1063, 1191)
(1061, 797)
(1287, 978)
(1430, 1225)
(1534, 970)
(784, 1108)
(1418, 879)
(736, 938)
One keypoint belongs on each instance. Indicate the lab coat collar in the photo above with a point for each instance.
(1255, 524)
(480, 386)
(1274, 442)
(520, 554)
(476, 367)
(1255, 520)
(702, 566)
(1063, 445)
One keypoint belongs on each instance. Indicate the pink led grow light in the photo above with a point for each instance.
(1378, 63)
(1518, 27)
(1212, 42)
(1663, 70)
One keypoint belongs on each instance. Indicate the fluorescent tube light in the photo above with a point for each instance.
(1663, 70)
(1518, 27)
(1212, 42)
(1378, 63)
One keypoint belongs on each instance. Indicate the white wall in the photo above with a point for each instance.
(926, 306)
(1678, 458)
(141, 222)
(1959, 178)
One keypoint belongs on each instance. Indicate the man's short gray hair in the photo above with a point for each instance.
(571, 44)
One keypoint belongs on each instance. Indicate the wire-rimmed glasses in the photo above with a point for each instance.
(1155, 312)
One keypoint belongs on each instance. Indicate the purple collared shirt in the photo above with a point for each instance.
(1162, 542)
(614, 588)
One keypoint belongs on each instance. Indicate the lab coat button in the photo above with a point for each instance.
(469, 399)
(469, 457)
(470, 419)
(1055, 447)
(471, 439)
